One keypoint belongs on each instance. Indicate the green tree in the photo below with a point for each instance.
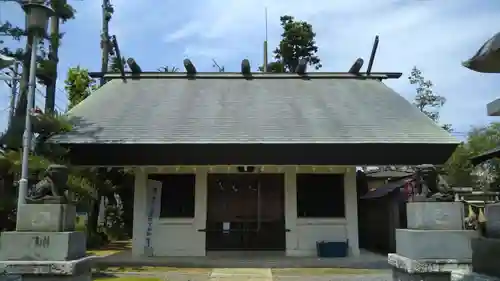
(426, 100)
(298, 41)
(43, 125)
(78, 85)
(92, 184)
(479, 140)
(63, 13)
(46, 72)
(459, 169)
(115, 64)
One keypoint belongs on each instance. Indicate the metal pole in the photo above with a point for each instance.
(23, 182)
(264, 67)
(13, 94)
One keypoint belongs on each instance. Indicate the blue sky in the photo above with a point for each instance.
(436, 36)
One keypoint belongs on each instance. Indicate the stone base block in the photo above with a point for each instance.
(461, 276)
(46, 217)
(435, 215)
(434, 244)
(81, 277)
(42, 246)
(400, 275)
(80, 269)
(485, 256)
(492, 212)
(413, 266)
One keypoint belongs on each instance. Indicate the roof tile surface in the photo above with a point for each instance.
(180, 110)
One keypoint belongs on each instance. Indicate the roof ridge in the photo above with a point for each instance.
(251, 76)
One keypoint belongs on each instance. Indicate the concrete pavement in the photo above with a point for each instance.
(261, 274)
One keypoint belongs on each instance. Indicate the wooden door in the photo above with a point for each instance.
(245, 212)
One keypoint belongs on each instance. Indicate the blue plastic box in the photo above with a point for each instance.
(329, 249)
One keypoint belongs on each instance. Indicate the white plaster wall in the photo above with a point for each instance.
(309, 231)
(175, 236)
(180, 237)
(139, 231)
(305, 232)
(351, 210)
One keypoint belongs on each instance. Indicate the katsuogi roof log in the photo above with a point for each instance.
(189, 66)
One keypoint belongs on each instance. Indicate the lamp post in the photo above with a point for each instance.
(37, 20)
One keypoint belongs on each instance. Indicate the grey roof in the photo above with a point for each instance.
(485, 156)
(226, 108)
(384, 190)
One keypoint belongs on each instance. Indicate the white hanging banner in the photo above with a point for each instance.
(153, 212)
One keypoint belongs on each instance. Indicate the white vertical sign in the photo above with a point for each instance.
(153, 212)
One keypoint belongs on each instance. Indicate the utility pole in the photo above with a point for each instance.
(13, 94)
(107, 12)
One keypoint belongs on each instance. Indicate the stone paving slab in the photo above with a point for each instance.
(181, 276)
(241, 274)
(246, 274)
(350, 277)
(251, 272)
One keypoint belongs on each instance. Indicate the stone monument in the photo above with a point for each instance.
(434, 244)
(45, 245)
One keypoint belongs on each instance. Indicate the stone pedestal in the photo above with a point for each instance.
(435, 243)
(79, 269)
(492, 213)
(46, 246)
(471, 276)
(46, 217)
(486, 256)
(435, 215)
(42, 246)
(405, 269)
(486, 250)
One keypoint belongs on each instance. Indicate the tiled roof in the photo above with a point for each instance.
(226, 108)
